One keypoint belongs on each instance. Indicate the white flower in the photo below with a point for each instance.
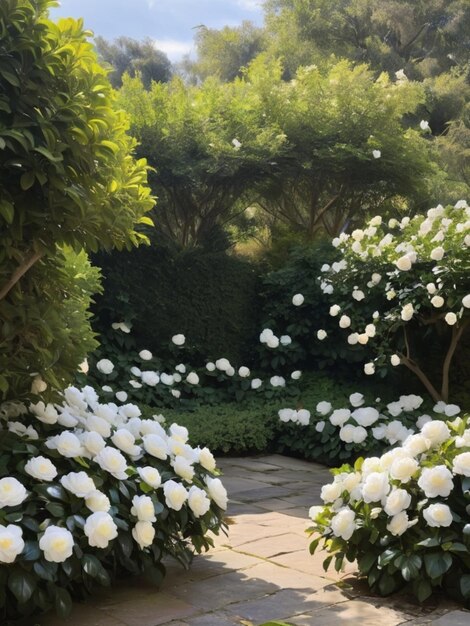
(436, 481)
(145, 355)
(334, 310)
(143, 534)
(359, 434)
(375, 487)
(298, 299)
(206, 459)
(143, 509)
(11, 543)
(93, 442)
(437, 253)
(343, 524)
(175, 495)
(150, 378)
(353, 338)
(365, 416)
(100, 529)
(404, 263)
(466, 301)
(398, 524)
(345, 321)
(451, 318)
(244, 371)
(97, 501)
(156, 446)
(424, 125)
(407, 312)
(121, 396)
(436, 432)
(256, 383)
(183, 468)
(370, 330)
(105, 366)
(461, 464)
(320, 426)
(416, 444)
(346, 433)
(230, 371)
(331, 492)
(403, 469)
(397, 500)
(272, 341)
(431, 288)
(369, 368)
(112, 461)
(178, 340)
(44, 413)
(107, 389)
(340, 417)
(176, 393)
(41, 468)
(323, 407)
(150, 475)
(401, 76)
(285, 340)
(321, 334)
(57, 544)
(437, 515)
(210, 367)
(451, 410)
(78, 483)
(358, 295)
(217, 492)
(296, 374)
(198, 501)
(236, 144)
(395, 360)
(125, 441)
(356, 399)
(362, 338)
(222, 364)
(376, 154)
(277, 381)
(192, 378)
(84, 367)
(303, 417)
(38, 385)
(437, 302)
(68, 445)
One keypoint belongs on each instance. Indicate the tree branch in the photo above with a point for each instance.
(457, 332)
(20, 271)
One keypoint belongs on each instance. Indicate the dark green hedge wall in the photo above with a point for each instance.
(211, 297)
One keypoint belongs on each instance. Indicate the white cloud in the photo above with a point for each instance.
(174, 48)
(250, 5)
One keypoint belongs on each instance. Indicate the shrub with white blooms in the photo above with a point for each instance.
(404, 516)
(92, 490)
(400, 278)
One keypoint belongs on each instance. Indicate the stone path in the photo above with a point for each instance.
(262, 571)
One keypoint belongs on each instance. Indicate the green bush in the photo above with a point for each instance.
(209, 297)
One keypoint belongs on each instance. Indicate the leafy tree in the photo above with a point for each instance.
(224, 53)
(208, 145)
(68, 182)
(423, 37)
(131, 56)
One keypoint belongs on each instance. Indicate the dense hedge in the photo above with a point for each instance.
(211, 297)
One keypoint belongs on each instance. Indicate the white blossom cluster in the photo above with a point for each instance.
(114, 441)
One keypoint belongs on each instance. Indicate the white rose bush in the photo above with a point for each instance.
(404, 516)
(90, 491)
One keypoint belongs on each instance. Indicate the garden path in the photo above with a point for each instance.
(262, 571)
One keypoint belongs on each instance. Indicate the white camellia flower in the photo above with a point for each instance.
(451, 410)
(175, 495)
(183, 468)
(150, 378)
(243, 371)
(100, 529)
(285, 340)
(404, 263)
(323, 408)
(236, 144)
(145, 355)
(11, 543)
(403, 469)
(57, 544)
(107, 389)
(461, 464)
(178, 340)
(436, 481)
(344, 321)
(99, 425)
(296, 374)
(78, 483)
(407, 312)
(112, 461)
(192, 378)
(93, 442)
(343, 523)
(369, 368)
(346, 433)
(68, 445)
(210, 367)
(356, 399)
(424, 125)
(437, 253)
(198, 501)
(395, 360)
(358, 295)
(156, 446)
(206, 459)
(303, 417)
(298, 299)
(217, 492)
(398, 524)
(376, 154)
(362, 338)
(230, 371)
(339, 417)
(277, 381)
(466, 301)
(320, 426)
(125, 441)
(41, 468)
(38, 385)
(451, 318)
(431, 288)
(143, 509)
(97, 501)
(176, 393)
(435, 431)
(143, 534)
(321, 334)
(375, 487)
(222, 364)
(365, 416)
(105, 366)
(370, 330)
(416, 444)
(150, 475)
(353, 338)
(334, 310)
(256, 383)
(121, 396)
(437, 515)
(44, 413)
(181, 368)
(437, 301)
(331, 492)
(397, 500)
(272, 341)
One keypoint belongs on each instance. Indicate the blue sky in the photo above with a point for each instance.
(168, 22)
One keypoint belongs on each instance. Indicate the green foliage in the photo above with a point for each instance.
(126, 55)
(209, 297)
(67, 179)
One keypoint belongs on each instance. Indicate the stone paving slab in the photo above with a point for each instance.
(261, 571)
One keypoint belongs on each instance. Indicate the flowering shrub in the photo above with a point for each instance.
(398, 277)
(338, 434)
(404, 516)
(90, 491)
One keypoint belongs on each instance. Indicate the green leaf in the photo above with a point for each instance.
(7, 211)
(465, 585)
(22, 584)
(31, 551)
(422, 590)
(91, 565)
(45, 569)
(437, 563)
(62, 602)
